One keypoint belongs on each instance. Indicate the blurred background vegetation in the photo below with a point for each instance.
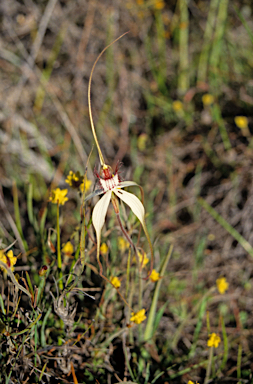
(172, 100)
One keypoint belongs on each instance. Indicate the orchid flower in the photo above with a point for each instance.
(111, 187)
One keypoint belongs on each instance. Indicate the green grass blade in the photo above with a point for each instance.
(152, 313)
(232, 231)
(183, 77)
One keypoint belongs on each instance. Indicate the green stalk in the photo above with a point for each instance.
(216, 114)
(218, 35)
(152, 313)
(59, 262)
(225, 343)
(140, 300)
(203, 60)
(209, 366)
(183, 78)
(239, 362)
(232, 231)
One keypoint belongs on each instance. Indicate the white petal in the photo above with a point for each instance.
(124, 184)
(134, 203)
(99, 213)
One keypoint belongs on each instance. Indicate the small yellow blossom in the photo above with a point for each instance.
(211, 237)
(140, 2)
(241, 122)
(10, 260)
(214, 340)
(138, 317)
(142, 141)
(207, 99)
(177, 105)
(68, 249)
(154, 276)
(143, 259)
(159, 4)
(222, 285)
(104, 249)
(123, 244)
(191, 382)
(115, 282)
(58, 196)
(85, 186)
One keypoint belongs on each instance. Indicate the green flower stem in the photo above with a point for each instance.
(59, 262)
(140, 299)
(209, 366)
(225, 342)
(152, 313)
(239, 361)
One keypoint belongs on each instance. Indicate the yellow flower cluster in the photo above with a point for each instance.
(222, 285)
(10, 260)
(76, 180)
(214, 340)
(58, 196)
(138, 317)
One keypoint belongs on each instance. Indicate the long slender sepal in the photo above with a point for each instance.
(138, 209)
(89, 101)
(98, 220)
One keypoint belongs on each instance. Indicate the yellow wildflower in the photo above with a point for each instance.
(177, 105)
(143, 259)
(123, 244)
(104, 249)
(241, 122)
(142, 141)
(222, 285)
(68, 249)
(207, 99)
(211, 237)
(9, 260)
(138, 317)
(154, 276)
(74, 179)
(214, 340)
(115, 282)
(58, 196)
(191, 382)
(159, 4)
(86, 184)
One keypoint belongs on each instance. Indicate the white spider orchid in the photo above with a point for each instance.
(111, 186)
